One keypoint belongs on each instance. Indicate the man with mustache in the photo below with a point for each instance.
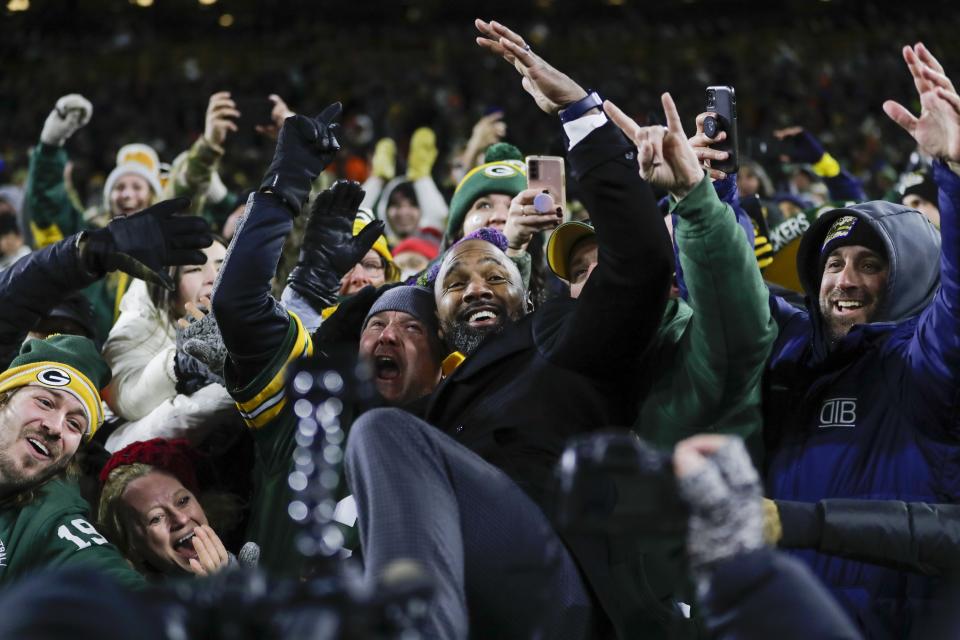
(861, 389)
(49, 404)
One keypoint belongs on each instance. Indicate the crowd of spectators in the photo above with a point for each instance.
(284, 303)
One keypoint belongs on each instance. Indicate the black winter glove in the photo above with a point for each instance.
(305, 147)
(329, 248)
(143, 244)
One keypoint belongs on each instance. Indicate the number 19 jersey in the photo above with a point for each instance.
(54, 530)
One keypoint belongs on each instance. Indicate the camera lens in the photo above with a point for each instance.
(534, 170)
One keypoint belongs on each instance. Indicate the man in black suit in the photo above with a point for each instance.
(467, 491)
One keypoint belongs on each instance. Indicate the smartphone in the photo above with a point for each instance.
(254, 110)
(722, 100)
(546, 173)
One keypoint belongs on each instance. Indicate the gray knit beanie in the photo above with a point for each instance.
(416, 301)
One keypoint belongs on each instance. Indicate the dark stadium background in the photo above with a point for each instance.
(150, 69)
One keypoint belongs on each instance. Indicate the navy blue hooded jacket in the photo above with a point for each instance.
(876, 416)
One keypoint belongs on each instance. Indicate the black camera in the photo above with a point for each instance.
(613, 482)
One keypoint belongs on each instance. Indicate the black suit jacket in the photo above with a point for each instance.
(569, 368)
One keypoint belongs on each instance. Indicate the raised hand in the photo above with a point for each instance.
(211, 554)
(278, 115)
(666, 158)
(145, 243)
(71, 112)
(937, 130)
(700, 143)
(220, 109)
(523, 220)
(488, 130)
(551, 89)
(305, 147)
(329, 247)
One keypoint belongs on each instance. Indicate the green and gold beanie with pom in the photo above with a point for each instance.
(503, 171)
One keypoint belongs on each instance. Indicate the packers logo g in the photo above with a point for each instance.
(54, 377)
(500, 171)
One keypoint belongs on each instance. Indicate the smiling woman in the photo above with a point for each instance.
(153, 511)
(156, 387)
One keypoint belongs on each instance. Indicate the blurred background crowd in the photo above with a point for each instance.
(149, 68)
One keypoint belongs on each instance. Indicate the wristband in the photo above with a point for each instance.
(580, 107)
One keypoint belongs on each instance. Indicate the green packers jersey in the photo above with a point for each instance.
(53, 531)
(266, 410)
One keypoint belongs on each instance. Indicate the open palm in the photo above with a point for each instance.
(937, 130)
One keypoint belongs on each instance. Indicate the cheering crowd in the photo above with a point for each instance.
(787, 354)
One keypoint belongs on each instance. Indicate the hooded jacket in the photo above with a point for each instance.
(875, 416)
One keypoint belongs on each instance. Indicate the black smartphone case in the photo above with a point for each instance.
(722, 100)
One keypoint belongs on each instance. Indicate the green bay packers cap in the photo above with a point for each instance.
(65, 362)
(561, 243)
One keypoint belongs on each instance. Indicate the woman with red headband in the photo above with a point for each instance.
(153, 510)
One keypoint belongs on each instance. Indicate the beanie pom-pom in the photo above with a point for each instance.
(500, 151)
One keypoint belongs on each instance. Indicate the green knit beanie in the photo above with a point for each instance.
(68, 363)
(502, 171)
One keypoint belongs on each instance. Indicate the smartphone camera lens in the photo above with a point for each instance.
(534, 171)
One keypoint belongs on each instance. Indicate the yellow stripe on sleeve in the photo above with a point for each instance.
(271, 399)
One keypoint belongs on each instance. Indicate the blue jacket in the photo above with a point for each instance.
(33, 286)
(876, 417)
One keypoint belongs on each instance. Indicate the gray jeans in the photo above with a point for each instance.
(500, 569)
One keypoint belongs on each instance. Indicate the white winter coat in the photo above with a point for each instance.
(140, 351)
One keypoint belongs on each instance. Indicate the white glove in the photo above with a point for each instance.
(72, 112)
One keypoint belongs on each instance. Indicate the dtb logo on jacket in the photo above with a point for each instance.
(838, 412)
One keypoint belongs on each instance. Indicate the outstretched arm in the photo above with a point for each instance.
(141, 245)
(256, 329)
(621, 305)
(33, 286)
(53, 214)
(934, 350)
(914, 536)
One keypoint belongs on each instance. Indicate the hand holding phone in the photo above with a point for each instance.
(546, 174)
(722, 101)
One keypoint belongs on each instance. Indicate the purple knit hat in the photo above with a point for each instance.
(487, 234)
